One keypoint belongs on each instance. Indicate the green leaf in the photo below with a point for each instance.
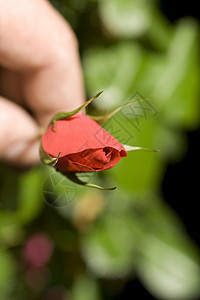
(65, 115)
(139, 171)
(108, 248)
(114, 69)
(46, 158)
(168, 260)
(126, 18)
(85, 288)
(176, 84)
(74, 177)
(30, 202)
(8, 219)
(58, 191)
(167, 272)
(101, 119)
(132, 148)
(11, 233)
(7, 274)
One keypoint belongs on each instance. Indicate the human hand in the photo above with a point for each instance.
(40, 75)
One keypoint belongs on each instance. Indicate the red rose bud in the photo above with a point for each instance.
(81, 144)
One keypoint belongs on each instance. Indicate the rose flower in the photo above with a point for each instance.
(82, 145)
(74, 142)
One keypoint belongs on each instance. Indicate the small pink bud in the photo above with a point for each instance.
(38, 250)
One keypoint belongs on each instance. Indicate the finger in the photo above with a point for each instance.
(38, 43)
(18, 135)
(10, 86)
(57, 87)
(30, 33)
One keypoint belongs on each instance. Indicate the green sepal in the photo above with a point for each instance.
(46, 158)
(132, 148)
(101, 119)
(65, 115)
(73, 177)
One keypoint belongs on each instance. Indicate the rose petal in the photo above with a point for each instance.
(92, 160)
(77, 134)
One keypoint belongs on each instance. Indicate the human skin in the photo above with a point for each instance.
(40, 75)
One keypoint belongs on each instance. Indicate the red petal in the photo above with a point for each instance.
(91, 160)
(77, 134)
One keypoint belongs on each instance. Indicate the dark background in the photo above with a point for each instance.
(182, 179)
(181, 183)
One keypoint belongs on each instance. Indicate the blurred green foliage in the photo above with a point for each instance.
(130, 50)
